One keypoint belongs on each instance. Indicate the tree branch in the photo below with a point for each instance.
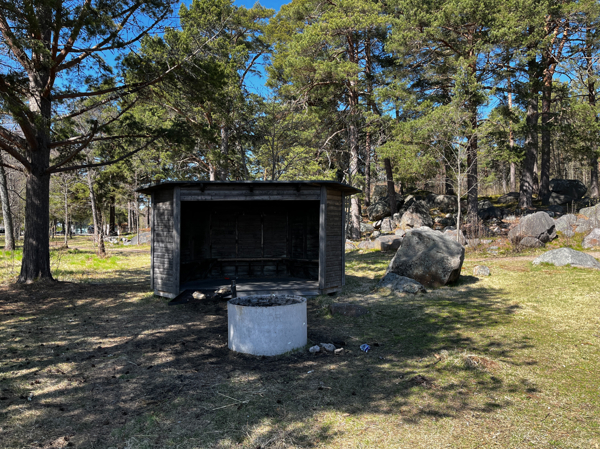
(102, 164)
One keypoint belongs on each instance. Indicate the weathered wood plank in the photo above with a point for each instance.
(251, 196)
(176, 237)
(322, 237)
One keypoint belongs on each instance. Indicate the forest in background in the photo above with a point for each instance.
(457, 97)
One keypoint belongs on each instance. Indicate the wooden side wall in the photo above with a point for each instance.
(334, 246)
(163, 244)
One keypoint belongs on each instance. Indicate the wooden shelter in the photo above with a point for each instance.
(270, 236)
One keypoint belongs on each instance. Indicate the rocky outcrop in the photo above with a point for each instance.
(568, 256)
(568, 187)
(556, 199)
(415, 216)
(388, 242)
(511, 197)
(401, 284)
(387, 225)
(378, 210)
(445, 203)
(591, 212)
(538, 226)
(592, 240)
(428, 257)
(564, 224)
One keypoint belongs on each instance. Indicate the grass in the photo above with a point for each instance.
(507, 361)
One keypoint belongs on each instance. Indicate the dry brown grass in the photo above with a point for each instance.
(509, 361)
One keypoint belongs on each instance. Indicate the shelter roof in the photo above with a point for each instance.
(348, 190)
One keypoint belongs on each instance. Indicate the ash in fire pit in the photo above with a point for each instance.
(267, 300)
(266, 325)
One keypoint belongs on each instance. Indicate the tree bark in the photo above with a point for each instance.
(472, 182)
(528, 175)
(98, 231)
(36, 242)
(111, 220)
(368, 169)
(66, 221)
(9, 236)
(544, 188)
(391, 189)
(511, 145)
(223, 169)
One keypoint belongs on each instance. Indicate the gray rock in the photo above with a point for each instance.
(583, 226)
(567, 256)
(378, 210)
(556, 199)
(556, 209)
(145, 237)
(345, 309)
(366, 227)
(387, 225)
(484, 204)
(530, 242)
(489, 212)
(538, 225)
(456, 236)
(592, 240)
(388, 242)
(400, 232)
(401, 284)
(415, 216)
(366, 244)
(327, 347)
(481, 270)
(314, 349)
(570, 187)
(445, 203)
(565, 223)
(428, 257)
(591, 212)
(375, 234)
(511, 197)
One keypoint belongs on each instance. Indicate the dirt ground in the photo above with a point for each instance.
(99, 365)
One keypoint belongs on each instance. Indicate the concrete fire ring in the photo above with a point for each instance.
(267, 324)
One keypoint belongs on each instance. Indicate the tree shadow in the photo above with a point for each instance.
(103, 364)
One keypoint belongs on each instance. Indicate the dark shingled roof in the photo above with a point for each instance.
(348, 190)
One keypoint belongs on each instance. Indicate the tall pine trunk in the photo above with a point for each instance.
(9, 236)
(472, 182)
(544, 189)
(36, 242)
(528, 175)
(391, 190)
(66, 224)
(98, 231)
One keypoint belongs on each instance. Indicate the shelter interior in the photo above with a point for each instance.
(249, 239)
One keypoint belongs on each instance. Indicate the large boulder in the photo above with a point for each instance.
(428, 257)
(366, 228)
(570, 187)
(591, 212)
(592, 240)
(378, 210)
(445, 203)
(508, 198)
(556, 199)
(568, 256)
(455, 235)
(489, 213)
(484, 204)
(388, 242)
(401, 284)
(538, 226)
(387, 225)
(415, 216)
(564, 225)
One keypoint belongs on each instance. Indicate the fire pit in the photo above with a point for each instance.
(266, 325)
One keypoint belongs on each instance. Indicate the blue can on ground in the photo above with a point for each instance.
(365, 347)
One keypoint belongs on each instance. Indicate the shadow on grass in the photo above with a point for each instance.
(109, 365)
